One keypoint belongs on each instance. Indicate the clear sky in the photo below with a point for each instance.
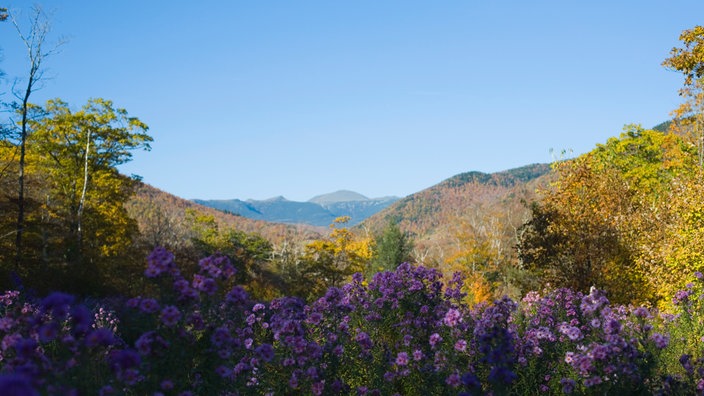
(254, 99)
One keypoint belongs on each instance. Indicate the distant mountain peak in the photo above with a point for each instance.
(279, 198)
(338, 196)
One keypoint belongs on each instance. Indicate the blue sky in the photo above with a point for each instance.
(253, 99)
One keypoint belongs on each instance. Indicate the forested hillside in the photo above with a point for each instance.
(470, 221)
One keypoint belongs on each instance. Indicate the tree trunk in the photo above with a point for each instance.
(82, 201)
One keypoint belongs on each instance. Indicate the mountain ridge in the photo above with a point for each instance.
(320, 210)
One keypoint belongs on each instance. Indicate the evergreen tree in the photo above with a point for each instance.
(392, 247)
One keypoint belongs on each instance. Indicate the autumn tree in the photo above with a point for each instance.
(602, 222)
(331, 261)
(77, 225)
(35, 43)
(689, 60)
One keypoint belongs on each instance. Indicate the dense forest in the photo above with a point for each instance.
(114, 287)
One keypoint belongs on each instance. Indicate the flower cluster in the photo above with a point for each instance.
(400, 332)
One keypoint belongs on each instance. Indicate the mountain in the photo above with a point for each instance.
(338, 196)
(472, 205)
(163, 219)
(318, 211)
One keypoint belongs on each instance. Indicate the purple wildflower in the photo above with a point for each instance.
(265, 352)
(568, 385)
(661, 340)
(452, 317)
(148, 305)
(435, 339)
(418, 355)
(166, 385)
(461, 345)
(170, 315)
(453, 380)
(16, 384)
(402, 359)
(100, 336)
(236, 296)
(58, 304)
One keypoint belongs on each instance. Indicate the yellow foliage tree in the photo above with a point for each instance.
(332, 260)
(602, 223)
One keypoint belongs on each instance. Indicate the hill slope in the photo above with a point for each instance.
(471, 205)
(162, 217)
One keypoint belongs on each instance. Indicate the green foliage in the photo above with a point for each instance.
(391, 248)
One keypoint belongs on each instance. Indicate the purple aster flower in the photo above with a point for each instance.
(6, 324)
(592, 381)
(572, 332)
(338, 350)
(144, 343)
(600, 352)
(452, 317)
(167, 385)
(123, 359)
(453, 380)
(82, 319)
(417, 355)
(317, 388)
(170, 315)
(161, 259)
(48, 332)
(641, 312)
(100, 336)
(209, 286)
(181, 285)
(16, 384)
(25, 347)
(148, 305)
(314, 318)
(661, 340)
(221, 336)
(435, 339)
(58, 304)
(568, 385)
(681, 296)
(461, 345)
(364, 341)
(612, 326)
(402, 359)
(236, 296)
(265, 352)
(686, 362)
(133, 302)
(471, 381)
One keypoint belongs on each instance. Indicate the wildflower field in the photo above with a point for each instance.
(406, 332)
